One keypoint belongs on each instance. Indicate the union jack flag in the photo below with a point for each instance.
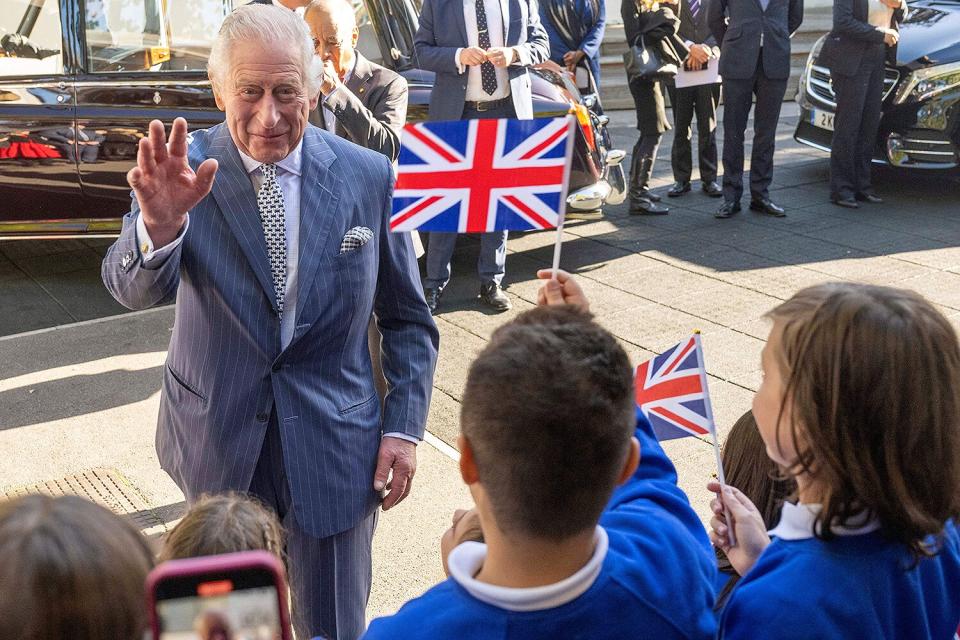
(672, 392)
(474, 176)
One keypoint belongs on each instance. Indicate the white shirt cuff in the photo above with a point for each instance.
(147, 252)
(456, 60)
(402, 436)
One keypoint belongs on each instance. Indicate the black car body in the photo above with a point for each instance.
(920, 127)
(81, 79)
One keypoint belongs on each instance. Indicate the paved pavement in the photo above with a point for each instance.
(86, 395)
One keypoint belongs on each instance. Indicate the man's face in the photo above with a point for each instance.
(266, 100)
(333, 42)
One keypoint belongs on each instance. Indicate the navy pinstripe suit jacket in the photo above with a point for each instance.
(225, 369)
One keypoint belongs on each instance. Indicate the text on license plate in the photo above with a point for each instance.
(822, 119)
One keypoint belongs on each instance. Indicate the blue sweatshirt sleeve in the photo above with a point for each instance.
(655, 484)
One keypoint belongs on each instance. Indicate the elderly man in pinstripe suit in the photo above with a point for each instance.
(272, 235)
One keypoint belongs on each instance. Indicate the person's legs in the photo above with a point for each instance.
(766, 115)
(870, 124)
(707, 99)
(439, 253)
(332, 576)
(681, 155)
(492, 262)
(738, 98)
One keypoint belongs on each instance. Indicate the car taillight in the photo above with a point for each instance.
(583, 117)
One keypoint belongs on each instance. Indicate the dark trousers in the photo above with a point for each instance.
(701, 101)
(492, 263)
(855, 125)
(737, 98)
(329, 577)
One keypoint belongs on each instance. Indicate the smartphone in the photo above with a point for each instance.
(235, 596)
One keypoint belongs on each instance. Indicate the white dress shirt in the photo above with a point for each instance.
(467, 558)
(288, 175)
(797, 523)
(498, 38)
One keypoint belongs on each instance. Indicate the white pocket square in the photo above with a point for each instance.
(355, 238)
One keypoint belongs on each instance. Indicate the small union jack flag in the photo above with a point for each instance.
(474, 176)
(672, 392)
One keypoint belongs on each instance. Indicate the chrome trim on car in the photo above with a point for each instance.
(614, 176)
(589, 198)
(86, 227)
(820, 84)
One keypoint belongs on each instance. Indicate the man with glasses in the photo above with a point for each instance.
(362, 101)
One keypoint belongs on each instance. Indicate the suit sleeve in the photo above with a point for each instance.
(591, 43)
(795, 17)
(430, 56)
(410, 337)
(844, 23)
(537, 47)
(379, 129)
(717, 18)
(128, 280)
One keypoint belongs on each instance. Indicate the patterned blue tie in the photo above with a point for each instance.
(694, 7)
(270, 203)
(488, 75)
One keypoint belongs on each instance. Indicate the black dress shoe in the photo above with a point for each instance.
(768, 207)
(647, 207)
(869, 197)
(713, 189)
(493, 296)
(433, 299)
(847, 203)
(649, 195)
(679, 188)
(727, 210)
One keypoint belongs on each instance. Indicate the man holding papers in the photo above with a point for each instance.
(700, 96)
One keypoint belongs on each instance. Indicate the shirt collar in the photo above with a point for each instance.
(290, 164)
(797, 522)
(466, 559)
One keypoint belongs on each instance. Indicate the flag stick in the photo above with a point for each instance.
(557, 247)
(713, 430)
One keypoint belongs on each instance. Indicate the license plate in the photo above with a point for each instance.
(822, 119)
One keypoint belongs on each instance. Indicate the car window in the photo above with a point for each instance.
(30, 38)
(151, 35)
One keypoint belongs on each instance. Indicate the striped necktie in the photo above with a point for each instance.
(694, 7)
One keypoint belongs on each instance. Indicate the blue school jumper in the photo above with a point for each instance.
(852, 587)
(656, 580)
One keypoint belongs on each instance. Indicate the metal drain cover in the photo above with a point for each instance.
(107, 487)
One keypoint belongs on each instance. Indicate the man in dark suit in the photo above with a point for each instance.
(480, 51)
(754, 37)
(362, 101)
(701, 100)
(273, 237)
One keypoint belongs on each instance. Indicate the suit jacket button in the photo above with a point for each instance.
(263, 417)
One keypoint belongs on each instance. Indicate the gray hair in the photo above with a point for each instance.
(270, 25)
(341, 11)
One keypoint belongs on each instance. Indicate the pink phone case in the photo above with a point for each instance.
(206, 565)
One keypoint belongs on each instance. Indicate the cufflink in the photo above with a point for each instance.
(360, 90)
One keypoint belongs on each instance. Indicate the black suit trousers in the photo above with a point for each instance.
(855, 124)
(737, 99)
(686, 102)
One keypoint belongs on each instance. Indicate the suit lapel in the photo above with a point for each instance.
(357, 84)
(508, 36)
(319, 195)
(234, 194)
(461, 20)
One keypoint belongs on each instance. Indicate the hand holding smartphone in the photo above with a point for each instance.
(236, 596)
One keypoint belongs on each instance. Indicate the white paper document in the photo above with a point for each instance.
(710, 74)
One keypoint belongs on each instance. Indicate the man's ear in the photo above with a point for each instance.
(315, 100)
(217, 98)
(633, 461)
(468, 465)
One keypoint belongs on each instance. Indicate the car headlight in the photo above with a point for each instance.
(926, 83)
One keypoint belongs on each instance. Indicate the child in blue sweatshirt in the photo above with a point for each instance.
(549, 431)
(860, 402)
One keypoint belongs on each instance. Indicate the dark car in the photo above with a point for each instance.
(81, 79)
(920, 127)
